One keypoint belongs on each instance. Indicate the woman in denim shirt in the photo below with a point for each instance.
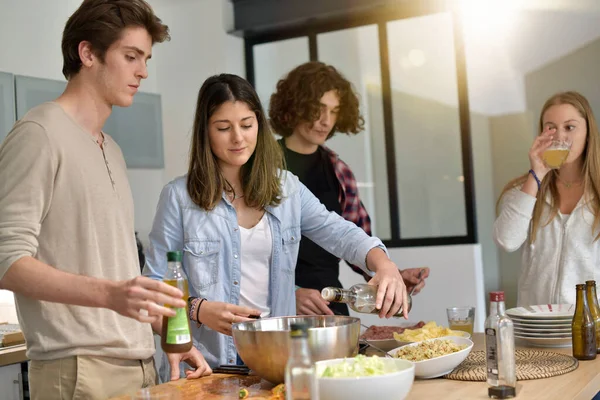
(238, 216)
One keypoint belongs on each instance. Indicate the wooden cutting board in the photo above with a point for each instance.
(213, 387)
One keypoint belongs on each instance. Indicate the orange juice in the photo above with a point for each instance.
(554, 158)
(465, 326)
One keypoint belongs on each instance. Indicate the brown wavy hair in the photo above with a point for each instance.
(101, 22)
(591, 167)
(260, 176)
(297, 100)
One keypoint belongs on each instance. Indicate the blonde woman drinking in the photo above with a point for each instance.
(555, 213)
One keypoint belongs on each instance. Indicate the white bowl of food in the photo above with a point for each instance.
(430, 330)
(361, 377)
(435, 357)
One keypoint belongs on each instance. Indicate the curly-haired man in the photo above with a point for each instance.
(311, 104)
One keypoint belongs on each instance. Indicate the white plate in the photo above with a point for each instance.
(555, 332)
(540, 325)
(442, 365)
(546, 341)
(549, 335)
(387, 344)
(565, 321)
(543, 311)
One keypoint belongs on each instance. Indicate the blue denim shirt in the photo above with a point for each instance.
(210, 241)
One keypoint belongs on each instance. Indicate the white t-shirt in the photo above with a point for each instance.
(257, 246)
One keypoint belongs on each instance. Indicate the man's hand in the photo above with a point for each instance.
(194, 359)
(411, 278)
(310, 302)
(391, 291)
(130, 298)
(220, 316)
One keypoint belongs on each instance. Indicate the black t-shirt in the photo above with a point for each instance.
(316, 268)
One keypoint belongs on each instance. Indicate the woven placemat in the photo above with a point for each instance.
(531, 364)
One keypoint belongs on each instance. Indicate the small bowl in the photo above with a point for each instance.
(441, 365)
(392, 386)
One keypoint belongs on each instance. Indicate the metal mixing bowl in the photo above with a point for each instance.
(263, 344)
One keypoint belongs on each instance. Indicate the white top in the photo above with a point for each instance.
(257, 245)
(563, 255)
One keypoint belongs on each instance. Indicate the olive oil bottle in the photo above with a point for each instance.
(583, 328)
(176, 331)
(592, 299)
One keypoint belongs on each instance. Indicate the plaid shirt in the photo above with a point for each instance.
(352, 208)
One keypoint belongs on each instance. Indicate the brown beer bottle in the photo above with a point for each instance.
(176, 331)
(592, 299)
(583, 328)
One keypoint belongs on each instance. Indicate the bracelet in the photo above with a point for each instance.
(198, 311)
(191, 306)
(536, 178)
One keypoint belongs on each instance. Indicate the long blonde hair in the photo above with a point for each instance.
(591, 166)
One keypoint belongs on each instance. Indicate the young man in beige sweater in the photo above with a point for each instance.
(67, 244)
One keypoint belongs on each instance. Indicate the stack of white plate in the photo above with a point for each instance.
(544, 325)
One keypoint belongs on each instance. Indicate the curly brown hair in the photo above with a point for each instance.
(297, 100)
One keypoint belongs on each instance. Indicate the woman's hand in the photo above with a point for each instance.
(220, 316)
(391, 291)
(541, 143)
(194, 359)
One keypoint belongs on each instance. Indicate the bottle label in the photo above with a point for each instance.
(178, 330)
(491, 353)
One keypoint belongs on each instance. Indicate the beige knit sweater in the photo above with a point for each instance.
(66, 202)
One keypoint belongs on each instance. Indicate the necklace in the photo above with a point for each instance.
(567, 184)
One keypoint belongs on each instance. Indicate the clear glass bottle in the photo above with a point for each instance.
(592, 299)
(360, 297)
(300, 374)
(176, 331)
(583, 328)
(500, 350)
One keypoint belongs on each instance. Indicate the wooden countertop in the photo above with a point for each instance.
(581, 384)
(12, 355)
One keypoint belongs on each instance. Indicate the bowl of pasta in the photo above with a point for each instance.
(435, 357)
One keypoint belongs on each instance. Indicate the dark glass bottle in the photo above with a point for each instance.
(592, 299)
(583, 328)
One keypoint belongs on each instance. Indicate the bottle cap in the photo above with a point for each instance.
(328, 293)
(502, 392)
(590, 283)
(580, 286)
(174, 256)
(298, 330)
(496, 296)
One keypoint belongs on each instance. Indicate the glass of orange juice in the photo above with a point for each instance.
(555, 155)
(461, 318)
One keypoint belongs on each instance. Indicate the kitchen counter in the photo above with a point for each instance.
(581, 384)
(12, 355)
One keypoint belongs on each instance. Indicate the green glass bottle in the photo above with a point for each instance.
(176, 336)
(583, 328)
(592, 299)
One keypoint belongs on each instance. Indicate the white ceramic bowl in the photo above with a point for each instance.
(442, 365)
(465, 335)
(392, 386)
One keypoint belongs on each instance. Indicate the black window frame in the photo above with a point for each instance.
(381, 17)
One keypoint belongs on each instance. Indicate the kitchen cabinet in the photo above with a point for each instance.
(11, 382)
